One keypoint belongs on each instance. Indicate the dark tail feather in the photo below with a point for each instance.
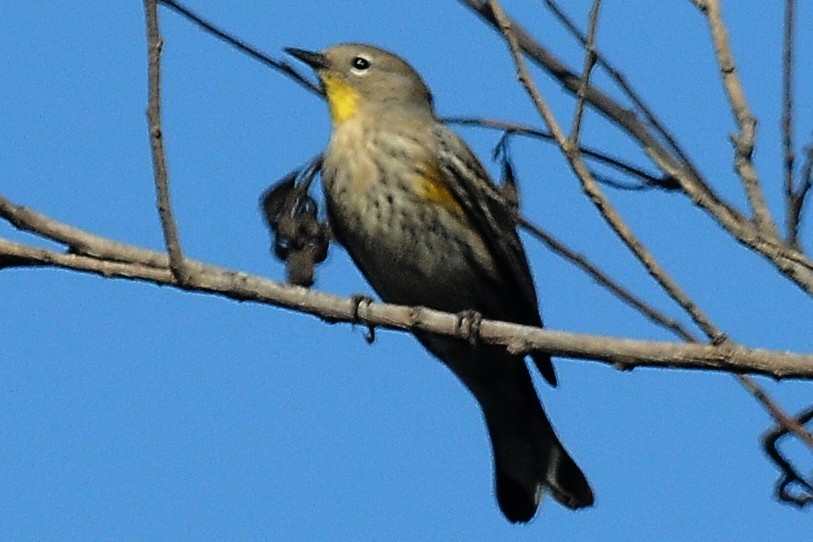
(517, 501)
(566, 481)
(528, 456)
(519, 497)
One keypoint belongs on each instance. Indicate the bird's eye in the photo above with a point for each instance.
(360, 64)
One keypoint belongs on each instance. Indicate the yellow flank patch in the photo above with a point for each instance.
(341, 98)
(432, 188)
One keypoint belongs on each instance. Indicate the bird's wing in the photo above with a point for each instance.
(489, 211)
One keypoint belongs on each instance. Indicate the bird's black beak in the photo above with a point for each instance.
(314, 60)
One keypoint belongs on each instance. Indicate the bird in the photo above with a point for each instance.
(422, 219)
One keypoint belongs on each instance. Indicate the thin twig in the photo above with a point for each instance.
(792, 235)
(606, 210)
(746, 122)
(789, 261)
(604, 280)
(776, 411)
(625, 86)
(589, 64)
(593, 191)
(78, 241)
(650, 180)
(664, 321)
(797, 203)
(698, 190)
(278, 65)
(154, 46)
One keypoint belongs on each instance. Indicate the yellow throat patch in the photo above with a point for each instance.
(341, 98)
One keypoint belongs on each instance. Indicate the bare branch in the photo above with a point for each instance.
(792, 235)
(778, 413)
(783, 420)
(662, 320)
(655, 316)
(604, 280)
(799, 198)
(589, 64)
(747, 123)
(620, 79)
(622, 353)
(593, 191)
(649, 180)
(698, 190)
(278, 65)
(159, 162)
(788, 260)
(78, 241)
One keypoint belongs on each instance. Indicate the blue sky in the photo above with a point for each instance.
(134, 412)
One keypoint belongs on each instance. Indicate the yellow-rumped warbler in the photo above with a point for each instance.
(421, 218)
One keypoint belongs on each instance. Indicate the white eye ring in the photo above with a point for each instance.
(360, 65)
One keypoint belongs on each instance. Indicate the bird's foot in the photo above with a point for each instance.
(359, 300)
(468, 322)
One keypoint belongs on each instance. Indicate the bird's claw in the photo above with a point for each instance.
(468, 322)
(359, 300)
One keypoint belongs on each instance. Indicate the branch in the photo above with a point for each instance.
(792, 235)
(592, 190)
(621, 353)
(278, 65)
(778, 414)
(660, 319)
(159, 161)
(620, 79)
(604, 280)
(747, 123)
(649, 180)
(699, 191)
(799, 198)
(787, 260)
(589, 64)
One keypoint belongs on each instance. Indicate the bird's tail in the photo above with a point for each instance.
(528, 456)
